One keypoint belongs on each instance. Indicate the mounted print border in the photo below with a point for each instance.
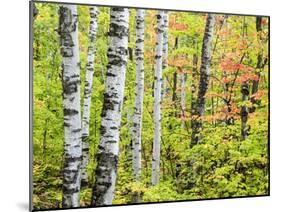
(146, 105)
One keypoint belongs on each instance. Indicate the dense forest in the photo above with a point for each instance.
(136, 105)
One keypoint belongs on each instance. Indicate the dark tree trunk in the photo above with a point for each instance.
(245, 91)
(244, 110)
(204, 79)
(255, 85)
(175, 79)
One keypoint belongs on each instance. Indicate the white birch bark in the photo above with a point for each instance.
(157, 99)
(165, 51)
(68, 30)
(107, 156)
(193, 86)
(137, 118)
(183, 77)
(87, 93)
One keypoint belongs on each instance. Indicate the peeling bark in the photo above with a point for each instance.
(107, 156)
(157, 99)
(87, 93)
(204, 79)
(68, 31)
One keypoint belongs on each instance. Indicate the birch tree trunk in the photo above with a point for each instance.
(68, 31)
(137, 117)
(204, 79)
(165, 51)
(193, 86)
(157, 100)
(183, 77)
(88, 93)
(107, 156)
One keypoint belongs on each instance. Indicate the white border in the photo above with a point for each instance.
(14, 85)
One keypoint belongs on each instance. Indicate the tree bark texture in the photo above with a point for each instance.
(157, 99)
(107, 155)
(204, 79)
(68, 31)
(138, 110)
(255, 85)
(175, 77)
(183, 79)
(88, 93)
(244, 110)
(165, 52)
(245, 91)
(193, 88)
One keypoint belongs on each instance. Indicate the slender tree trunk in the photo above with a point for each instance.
(175, 79)
(107, 155)
(152, 86)
(183, 77)
(88, 94)
(175, 76)
(244, 110)
(255, 85)
(165, 51)
(229, 120)
(245, 91)
(157, 100)
(145, 160)
(212, 103)
(68, 30)
(204, 79)
(137, 118)
(45, 137)
(46, 125)
(34, 12)
(193, 86)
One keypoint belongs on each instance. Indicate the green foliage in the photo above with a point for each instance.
(224, 166)
(221, 165)
(164, 191)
